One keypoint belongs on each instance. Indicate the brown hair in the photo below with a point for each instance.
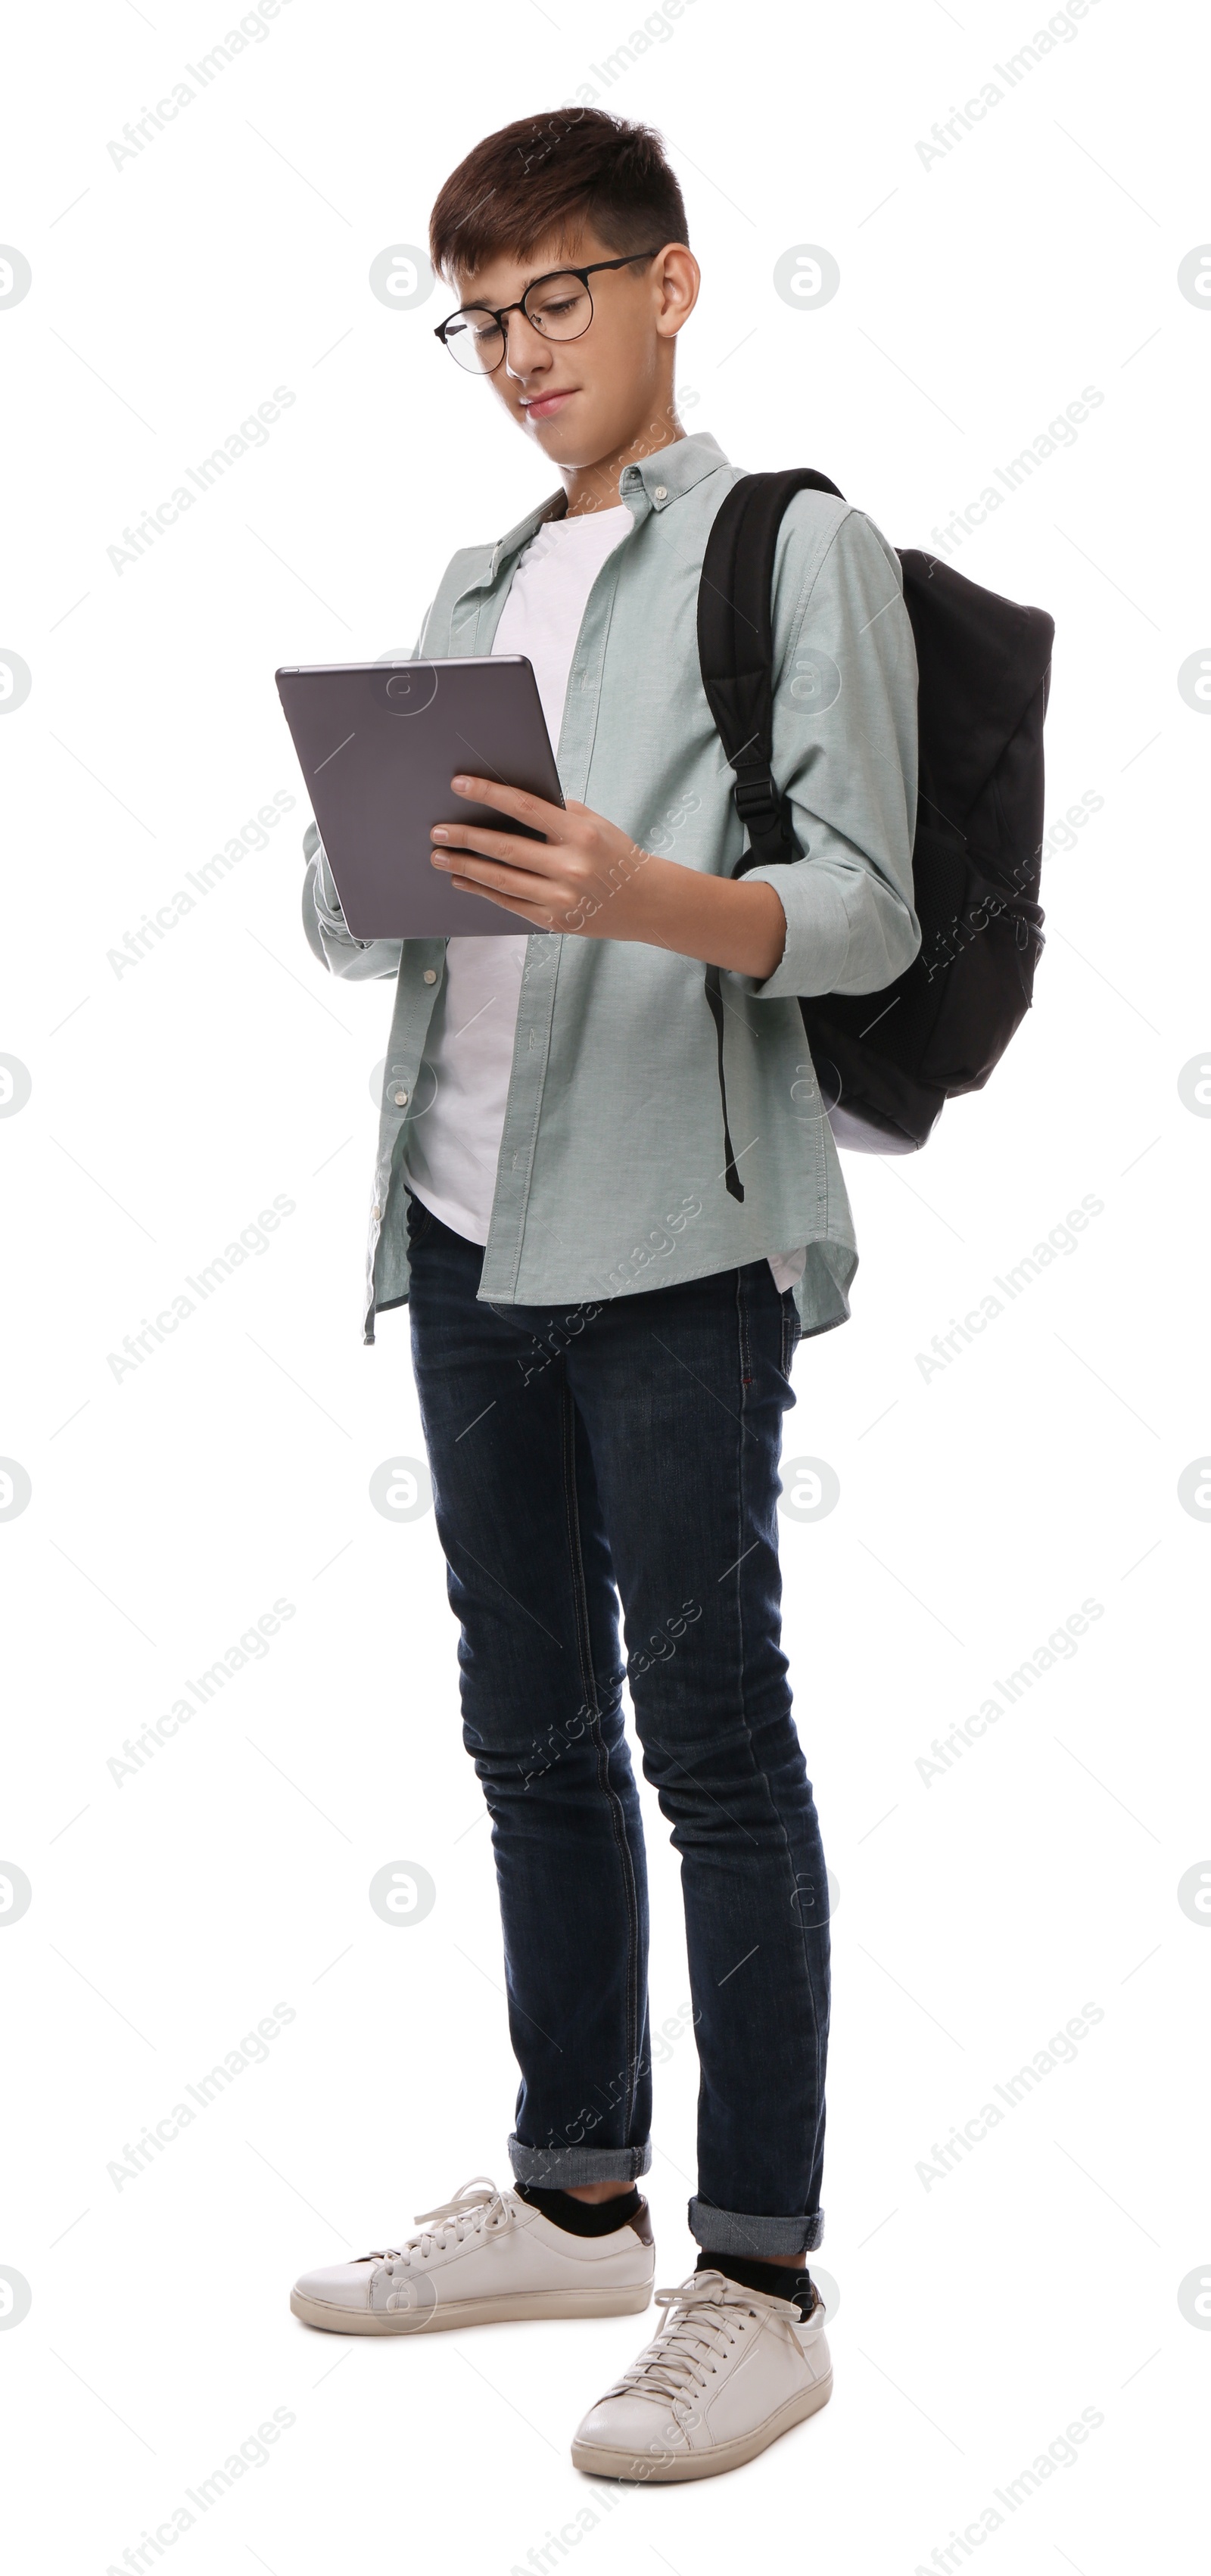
(572, 171)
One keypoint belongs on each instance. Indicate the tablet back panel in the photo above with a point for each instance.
(378, 744)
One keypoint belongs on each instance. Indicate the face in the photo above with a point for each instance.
(587, 399)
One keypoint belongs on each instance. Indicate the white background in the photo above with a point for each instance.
(171, 1507)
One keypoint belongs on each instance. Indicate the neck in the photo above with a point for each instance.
(595, 487)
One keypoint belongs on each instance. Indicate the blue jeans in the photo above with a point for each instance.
(634, 1444)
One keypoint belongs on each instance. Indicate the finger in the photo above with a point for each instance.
(524, 883)
(510, 800)
(566, 908)
(539, 914)
(505, 846)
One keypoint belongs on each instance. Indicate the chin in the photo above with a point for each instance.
(557, 450)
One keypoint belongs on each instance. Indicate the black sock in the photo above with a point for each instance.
(777, 2277)
(581, 2217)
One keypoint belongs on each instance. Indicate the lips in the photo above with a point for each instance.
(546, 406)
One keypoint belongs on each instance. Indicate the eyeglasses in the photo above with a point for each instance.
(559, 305)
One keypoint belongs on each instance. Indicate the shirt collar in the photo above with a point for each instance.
(672, 471)
(652, 484)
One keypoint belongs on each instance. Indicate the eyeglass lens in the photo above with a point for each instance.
(559, 307)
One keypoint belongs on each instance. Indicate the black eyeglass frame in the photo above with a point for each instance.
(500, 318)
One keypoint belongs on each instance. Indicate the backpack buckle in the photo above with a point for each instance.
(766, 816)
(756, 799)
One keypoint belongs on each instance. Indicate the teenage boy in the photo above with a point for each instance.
(602, 1328)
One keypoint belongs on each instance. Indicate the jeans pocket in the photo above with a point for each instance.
(419, 1219)
(792, 1329)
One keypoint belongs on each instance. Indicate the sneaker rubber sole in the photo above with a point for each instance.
(510, 2307)
(665, 2468)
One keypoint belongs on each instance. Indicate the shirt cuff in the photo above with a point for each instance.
(817, 932)
(327, 900)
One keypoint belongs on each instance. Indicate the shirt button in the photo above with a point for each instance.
(376, 1214)
(661, 492)
(400, 1098)
(430, 974)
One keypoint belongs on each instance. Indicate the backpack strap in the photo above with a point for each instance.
(714, 994)
(736, 654)
(736, 649)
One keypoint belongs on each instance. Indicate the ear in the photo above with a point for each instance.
(676, 279)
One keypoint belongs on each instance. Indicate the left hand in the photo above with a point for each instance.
(586, 877)
(592, 880)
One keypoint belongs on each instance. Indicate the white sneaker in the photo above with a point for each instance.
(663, 2420)
(483, 2256)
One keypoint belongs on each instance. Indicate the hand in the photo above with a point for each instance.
(567, 881)
(589, 879)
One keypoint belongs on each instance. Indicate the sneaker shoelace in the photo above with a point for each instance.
(704, 2320)
(476, 2205)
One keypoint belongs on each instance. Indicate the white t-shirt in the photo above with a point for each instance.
(453, 1146)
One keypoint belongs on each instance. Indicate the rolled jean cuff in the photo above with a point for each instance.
(555, 2168)
(728, 2231)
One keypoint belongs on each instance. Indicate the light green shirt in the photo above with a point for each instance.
(611, 1172)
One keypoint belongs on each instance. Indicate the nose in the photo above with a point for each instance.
(524, 346)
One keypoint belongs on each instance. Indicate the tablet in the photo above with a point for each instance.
(378, 744)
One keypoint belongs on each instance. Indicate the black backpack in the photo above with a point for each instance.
(886, 1062)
